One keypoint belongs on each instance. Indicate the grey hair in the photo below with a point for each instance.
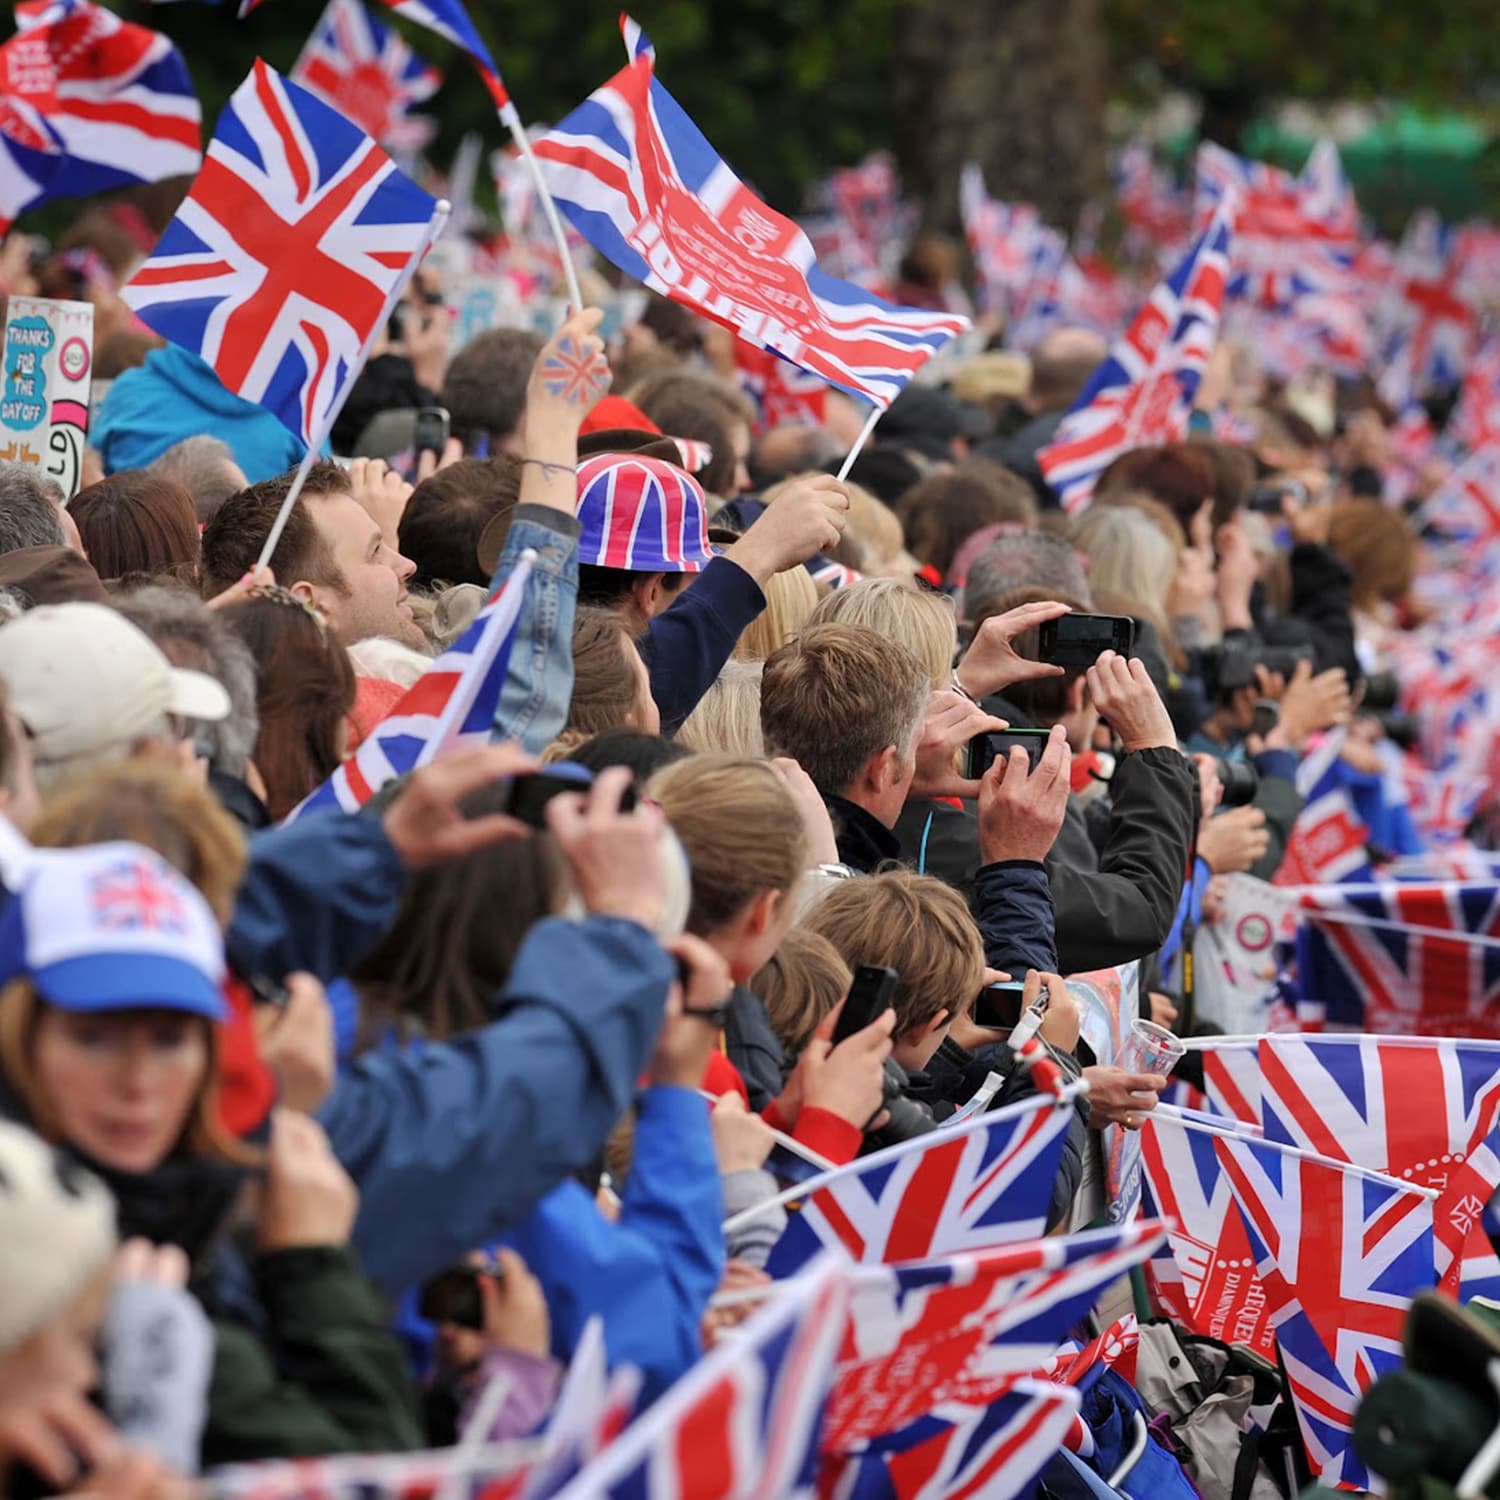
(189, 634)
(13, 604)
(205, 466)
(1030, 559)
(29, 510)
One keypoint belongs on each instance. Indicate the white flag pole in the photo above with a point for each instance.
(512, 122)
(441, 209)
(859, 442)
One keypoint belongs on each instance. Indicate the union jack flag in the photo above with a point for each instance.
(1340, 1253)
(1476, 418)
(1466, 506)
(130, 898)
(986, 1182)
(118, 102)
(744, 1420)
(1143, 392)
(1157, 215)
(1436, 328)
(1404, 959)
(284, 259)
(639, 181)
(782, 392)
(1204, 1277)
(30, 153)
(961, 1329)
(1329, 841)
(994, 1449)
(450, 707)
(1349, 1098)
(1002, 238)
(367, 72)
(449, 20)
(1118, 1348)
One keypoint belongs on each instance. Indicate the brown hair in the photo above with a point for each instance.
(740, 829)
(916, 924)
(304, 690)
(805, 978)
(1180, 475)
(605, 684)
(1378, 547)
(836, 697)
(942, 511)
(137, 522)
(233, 538)
(154, 805)
(685, 404)
(447, 514)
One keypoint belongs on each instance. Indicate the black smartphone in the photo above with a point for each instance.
(999, 1006)
(1265, 717)
(452, 1296)
(529, 795)
(869, 998)
(1267, 499)
(1079, 640)
(431, 431)
(985, 749)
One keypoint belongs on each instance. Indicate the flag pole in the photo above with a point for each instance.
(441, 209)
(864, 434)
(511, 119)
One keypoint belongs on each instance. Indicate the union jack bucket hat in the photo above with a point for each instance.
(641, 514)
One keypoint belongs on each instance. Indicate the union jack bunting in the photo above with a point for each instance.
(1143, 392)
(745, 1419)
(638, 180)
(970, 1324)
(1404, 959)
(1349, 1098)
(984, 1183)
(367, 72)
(284, 259)
(1340, 1253)
(116, 97)
(449, 20)
(994, 1449)
(450, 707)
(1204, 1277)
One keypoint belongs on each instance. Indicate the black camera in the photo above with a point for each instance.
(1240, 780)
(1232, 665)
(1382, 693)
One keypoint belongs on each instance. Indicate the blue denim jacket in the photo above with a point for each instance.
(533, 704)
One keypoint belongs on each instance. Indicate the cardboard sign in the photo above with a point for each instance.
(44, 398)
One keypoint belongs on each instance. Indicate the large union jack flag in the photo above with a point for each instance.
(30, 154)
(640, 182)
(118, 103)
(367, 72)
(450, 707)
(1340, 1253)
(744, 1420)
(986, 1182)
(284, 258)
(1143, 392)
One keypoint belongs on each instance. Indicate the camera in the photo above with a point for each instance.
(1230, 666)
(1382, 693)
(1240, 780)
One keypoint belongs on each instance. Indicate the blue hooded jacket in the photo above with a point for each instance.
(176, 395)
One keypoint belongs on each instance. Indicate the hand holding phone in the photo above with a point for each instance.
(996, 744)
(1079, 640)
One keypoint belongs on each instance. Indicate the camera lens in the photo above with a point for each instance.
(1241, 781)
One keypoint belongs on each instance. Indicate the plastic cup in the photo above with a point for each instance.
(1151, 1049)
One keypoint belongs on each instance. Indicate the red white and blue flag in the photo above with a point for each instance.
(30, 154)
(984, 1183)
(1466, 506)
(782, 392)
(1435, 328)
(366, 71)
(118, 102)
(1329, 842)
(1340, 1253)
(1003, 239)
(284, 259)
(450, 707)
(1143, 391)
(745, 1420)
(638, 180)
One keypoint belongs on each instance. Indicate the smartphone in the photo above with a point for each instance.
(1265, 717)
(1079, 640)
(529, 795)
(431, 431)
(452, 1296)
(999, 1006)
(1267, 499)
(869, 999)
(985, 749)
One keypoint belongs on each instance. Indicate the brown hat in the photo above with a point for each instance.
(51, 575)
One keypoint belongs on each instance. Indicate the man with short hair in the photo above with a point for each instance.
(204, 466)
(1029, 559)
(29, 511)
(332, 554)
(448, 513)
(485, 391)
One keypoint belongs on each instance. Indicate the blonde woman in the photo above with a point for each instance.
(727, 719)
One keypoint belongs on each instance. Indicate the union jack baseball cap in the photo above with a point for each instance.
(112, 927)
(641, 514)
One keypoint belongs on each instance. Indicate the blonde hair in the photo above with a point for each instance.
(154, 805)
(916, 618)
(1129, 558)
(740, 829)
(791, 598)
(876, 527)
(727, 717)
(804, 979)
(916, 924)
(388, 660)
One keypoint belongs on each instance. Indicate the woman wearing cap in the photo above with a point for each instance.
(111, 976)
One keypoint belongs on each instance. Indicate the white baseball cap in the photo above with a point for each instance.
(81, 678)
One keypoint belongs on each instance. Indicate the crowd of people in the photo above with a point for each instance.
(280, 1091)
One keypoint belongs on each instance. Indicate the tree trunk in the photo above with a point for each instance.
(1014, 85)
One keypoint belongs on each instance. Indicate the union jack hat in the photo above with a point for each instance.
(112, 927)
(641, 514)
